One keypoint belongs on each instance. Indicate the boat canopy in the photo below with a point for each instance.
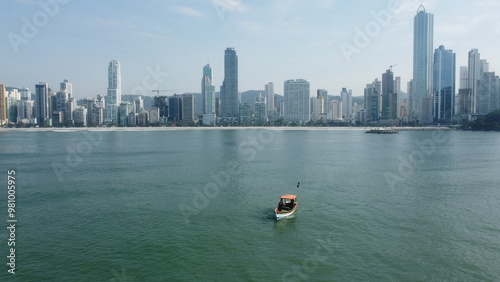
(289, 196)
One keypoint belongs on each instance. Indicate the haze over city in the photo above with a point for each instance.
(275, 40)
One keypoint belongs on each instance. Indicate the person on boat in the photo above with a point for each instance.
(280, 205)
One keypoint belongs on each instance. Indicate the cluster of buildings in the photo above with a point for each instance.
(431, 96)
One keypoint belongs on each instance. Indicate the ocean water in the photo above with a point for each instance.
(197, 205)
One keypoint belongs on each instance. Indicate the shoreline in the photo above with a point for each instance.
(72, 129)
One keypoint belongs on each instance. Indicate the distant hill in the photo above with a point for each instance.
(250, 96)
(360, 100)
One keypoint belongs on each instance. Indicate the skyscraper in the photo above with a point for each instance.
(400, 111)
(114, 97)
(444, 84)
(187, 107)
(3, 104)
(389, 96)
(488, 93)
(270, 96)
(25, 93)
(260, 107)
(70, 110)
(484, 67)
(174, 108)
(323, 93)
(11, 103)
(473, 78)
(123, 111)
(138, 105)
(346, 96)
(297, 102)
(24, 111)
(42, 103)
(372, 94)
(67, 87)
(423, 36)
(317, 108)
(229, 96)
(208, 90)
(464, 74)
(161, 102)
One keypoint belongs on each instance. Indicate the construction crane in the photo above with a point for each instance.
(162, 90)
(390, 67)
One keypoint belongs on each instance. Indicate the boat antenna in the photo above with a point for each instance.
(298, 184)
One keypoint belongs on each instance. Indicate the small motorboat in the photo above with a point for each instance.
(286, 206)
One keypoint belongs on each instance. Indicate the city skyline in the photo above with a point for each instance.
(303, 41)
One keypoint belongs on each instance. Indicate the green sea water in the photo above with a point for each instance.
(197, 205)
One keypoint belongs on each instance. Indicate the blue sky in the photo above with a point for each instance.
(274, 40)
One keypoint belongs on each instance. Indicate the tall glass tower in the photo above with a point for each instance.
(229, 90)
(114, 95)
(444, 84)
(42, 103)
(208, 90)
(423, 34)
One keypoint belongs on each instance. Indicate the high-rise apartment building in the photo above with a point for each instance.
(389, 96)
(464, 75)
(297, 102)
(174, 108)
(114, 93)
(444, 85)
(161, 102)
(423, 36)
(346, 96)
(260, 114)
(474, 74)
(323, 93)
(372, 93)
(208, 90)
(123, 111)
(229, 95)
(80, 116)
(25, 110)
(317, 108)
(400, 103)
(3, 104)
(67, 87)
(188, 107)
(269, 88)
(335, 109)
(70, 110)
(25, 93)
(488, 93)
(42, 103)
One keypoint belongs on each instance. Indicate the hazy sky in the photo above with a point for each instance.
(165, 44)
